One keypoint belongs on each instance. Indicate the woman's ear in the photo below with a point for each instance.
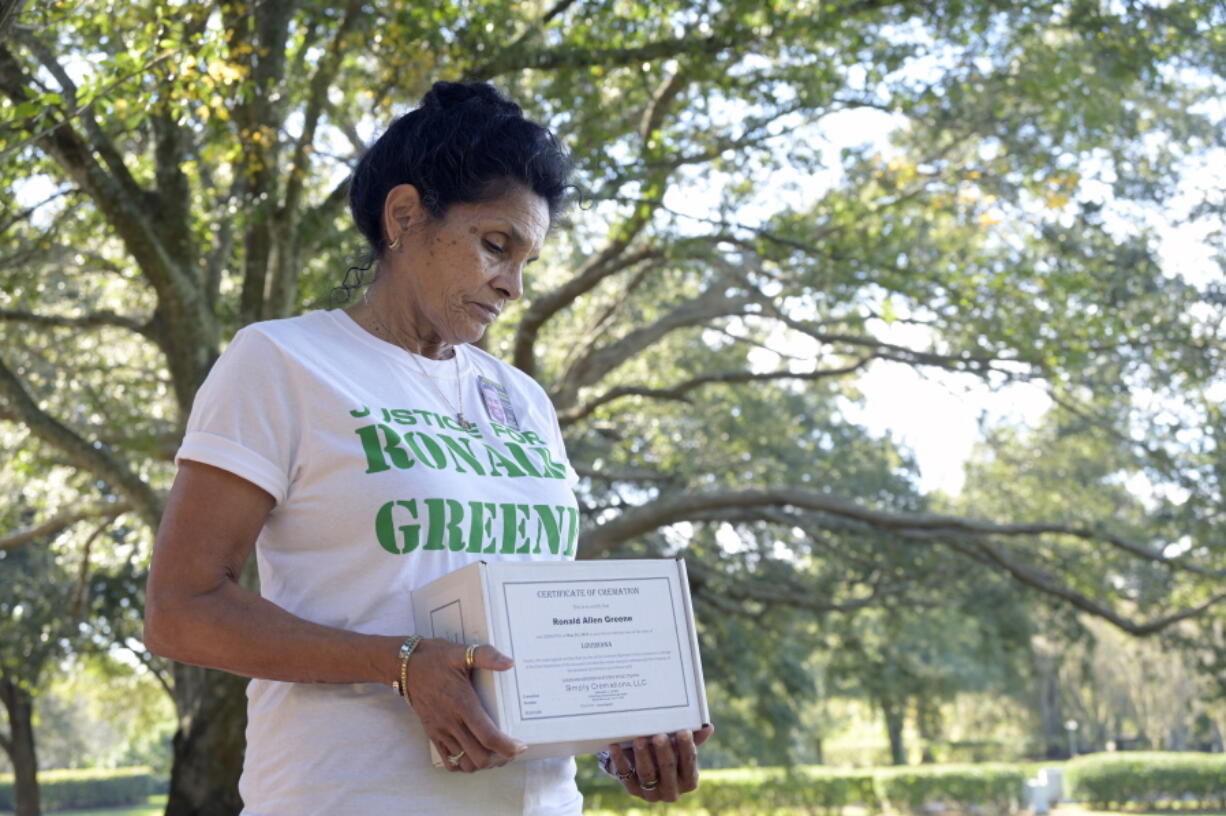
(402, 209)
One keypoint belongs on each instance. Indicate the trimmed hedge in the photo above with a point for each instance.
(1147, 778)
(65, 790)
(821, 791)
(989, 788)
(815, 790)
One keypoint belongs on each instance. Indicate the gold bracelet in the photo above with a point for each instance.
(406, 651)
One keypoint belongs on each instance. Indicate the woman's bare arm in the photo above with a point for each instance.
(196, 611)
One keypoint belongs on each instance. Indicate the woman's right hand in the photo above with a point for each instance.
(442, 694)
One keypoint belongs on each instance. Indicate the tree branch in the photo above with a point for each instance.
(185, 328)
(311, 224)
(902, 354)
(260, 31)
(608, 261)
(641, 475)
(535, 28)
(967, 536)
(10, 10)
(1043, 582)
(63, 521)
(661, 100)
(592, 367)
(90, 320)
(772, 592)
(83, 112)
(80, 453)
(174, 196)
(678, 392)
(566, 57)
(559, 8)
(80, 595)
(286, 271)
(158, 674)
(672, 509)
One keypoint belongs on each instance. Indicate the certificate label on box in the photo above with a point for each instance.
(598, 646)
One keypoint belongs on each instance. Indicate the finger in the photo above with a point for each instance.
(448, 748)
(666, 767)
(475, 754)
(703, 734)
(449, 703)
(487, 657)
(483, 730)
(687, 762)
(645, 770)
(450, 722)
(624, 769)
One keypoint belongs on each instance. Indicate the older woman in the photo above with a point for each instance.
(364, 452)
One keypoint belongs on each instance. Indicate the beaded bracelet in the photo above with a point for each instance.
(406, 651)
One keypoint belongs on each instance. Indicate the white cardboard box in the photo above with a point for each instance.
(604, 651)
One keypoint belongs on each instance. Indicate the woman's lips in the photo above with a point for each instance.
(489, 312)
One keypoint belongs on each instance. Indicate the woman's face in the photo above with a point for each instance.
(454, 275)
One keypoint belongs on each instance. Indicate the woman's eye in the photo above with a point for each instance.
(492, 247)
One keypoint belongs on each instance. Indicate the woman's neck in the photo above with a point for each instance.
(402, 332)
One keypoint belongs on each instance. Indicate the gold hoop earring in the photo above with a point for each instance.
(394, 246)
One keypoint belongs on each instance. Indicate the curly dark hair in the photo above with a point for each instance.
(465, 143)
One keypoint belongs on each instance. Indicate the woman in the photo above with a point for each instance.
(362, 453)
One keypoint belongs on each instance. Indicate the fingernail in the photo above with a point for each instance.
(520, 747)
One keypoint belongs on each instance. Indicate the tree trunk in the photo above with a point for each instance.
(893, 726)
(928, 726)
(19, 745)
(208, 747)
(1051, 717)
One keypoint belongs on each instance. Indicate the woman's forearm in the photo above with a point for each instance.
(233, 629)
(197, 612)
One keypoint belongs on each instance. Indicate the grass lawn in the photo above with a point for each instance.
(157, 804)
(1078, 810)
(153, 807)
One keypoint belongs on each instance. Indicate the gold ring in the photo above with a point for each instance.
(454, 759)
(624, 775)
(650, 785)
(469, 654)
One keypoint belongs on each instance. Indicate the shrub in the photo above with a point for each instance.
(1148, 778)
(812, 790)
(969, 751)
(987, 788)
(826, 791)
(63, 790)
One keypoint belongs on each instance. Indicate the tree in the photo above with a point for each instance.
(65, 596)
(1117, 688)
(179, 169)
(34, 633)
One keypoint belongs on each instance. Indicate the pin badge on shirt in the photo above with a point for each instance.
(497, 402)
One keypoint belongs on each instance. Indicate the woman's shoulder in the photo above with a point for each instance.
(304, 327)
(292, 336)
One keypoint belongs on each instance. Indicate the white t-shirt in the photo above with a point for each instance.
(379, 490)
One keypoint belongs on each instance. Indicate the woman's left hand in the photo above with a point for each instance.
(659, 768)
